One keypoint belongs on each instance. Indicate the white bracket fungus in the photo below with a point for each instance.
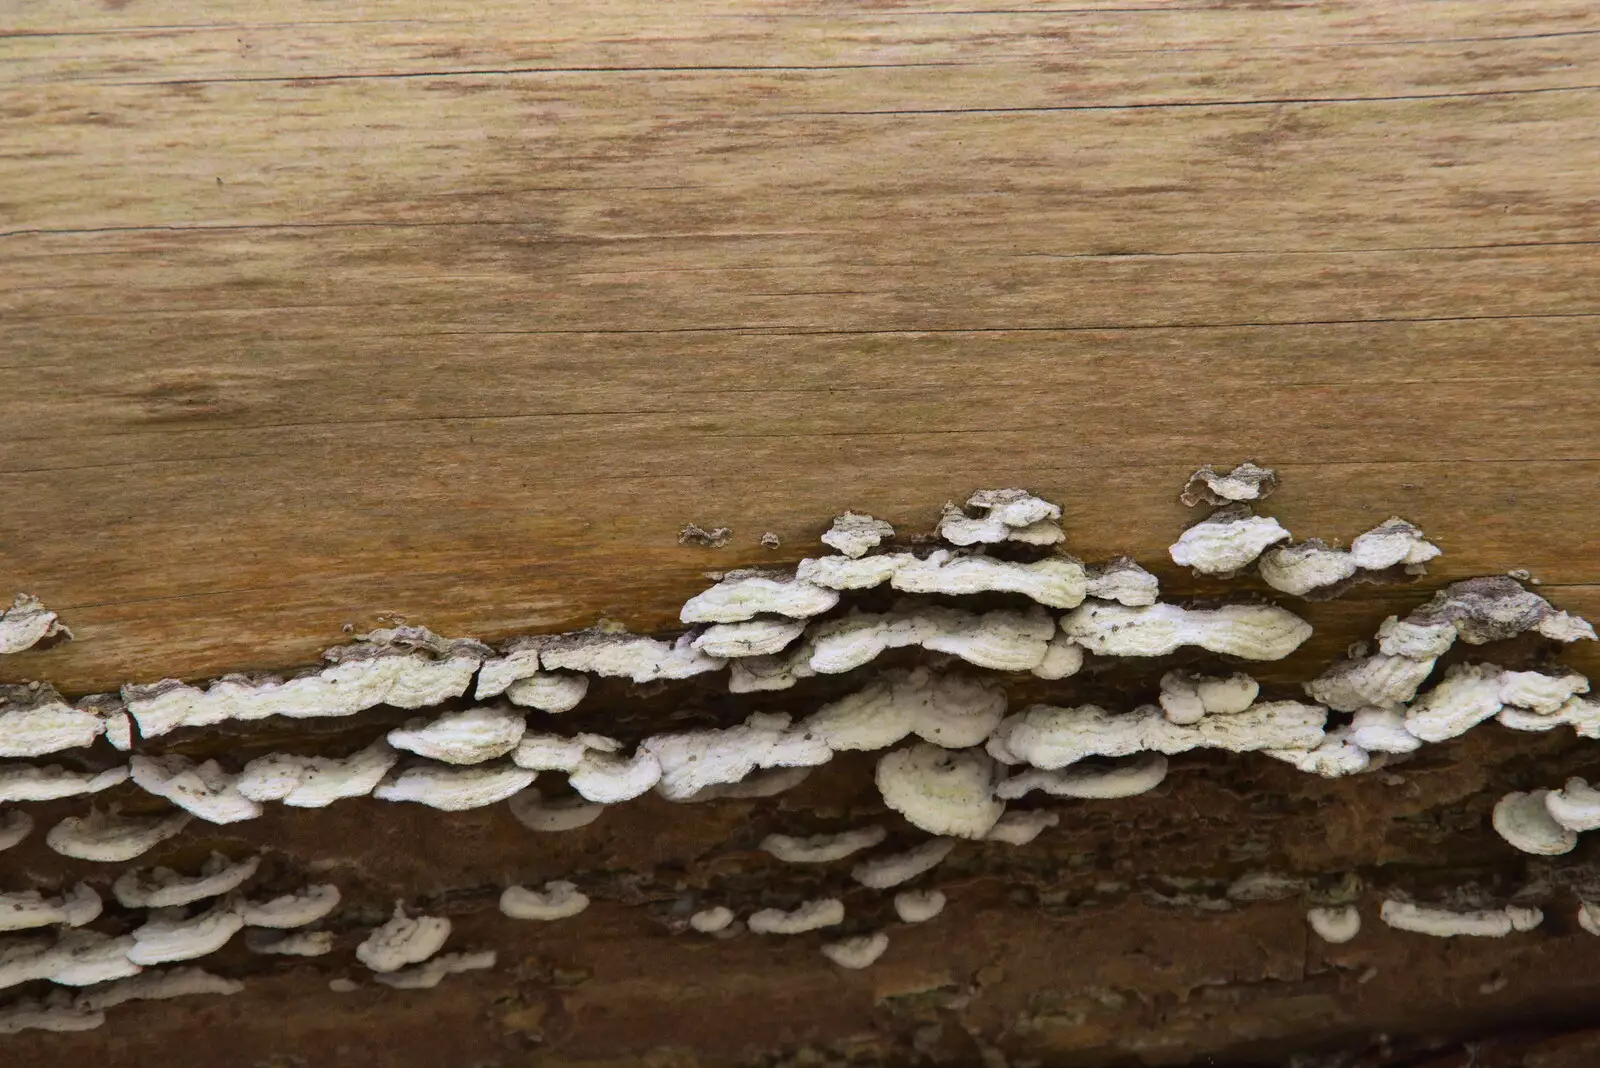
(1020, 828)
(1006, 515)
(751, 592)
(454, 789)
(406, 667)
(1391, 543)
(402, 941)
(515, 673)
(940, 791)
(1335, 756)
(918, 906)
(822, 848)
(15, 825)
(1443, 923)
(1253, 632)
(843, 573)
(203, 789)
(172, 934)
(27, 909)
(1226, 541)
(1122, 581)
(315, 781)
(1383, 730)
(1049, 737)
(1525, 822)
(1378, 680)
(711, 920)
(538, 751)
(999, 640)
(631, 656)
(26, 623)
(753, 637)
(559, 900)
(1056, 581)
(429, 975)
(292, 910)
(855, 534)
(880, 873)
(779, 672)
(34, 721)
(857, 953)
(25, 782)
(1312, 565)
(1576, 806)
(535, 812)
(811, 916)
(1062, 658)
(1187, 698)
(1247, 482)
(768, 783)
(157, 985)
(470, 736)
(946, 708)
(608, 778)
(1139, 775)
(1471, 693)
(289, 943)
(54, 1013)
(164, 888)
(1589, 916)
(109, 837)
(693, 760)
(1336, 925)
(1495, 608)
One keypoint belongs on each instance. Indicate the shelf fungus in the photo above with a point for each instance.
(712, 920)
(35, 721)
(55, 1012)
(1247, 482)
(1249, 631)
(1227, 541)
(822, 848)
(1576, 806)
(1445, 923)
(693, 760)
(287, 911)
(538, 813)
(25, 782)
(430, 974)
(203, 789)
(940, 791)
(172, 934)
(516, 673)
(164, 888)
(15, 825)
(753, 637)
(1187, 698)
(110, 837)
(616, 654)
(315, 781)
(1049, 737)
(756, 674)
(1335, 756)
(403, 940)
(751, 592)
(1124, 581)
(880, 873)
(918, 906)
(1524, 820)
(856, 953)
(998, 515)
(1055, 581)
(1337, 924)
(27, 623)
(22, 910)
(558, 901)
(454, 789)
(405, 667)
(1132, 777)
(1378, 680)
(1494, 608)
(1020, 828)
(811, 916)
(856, 534)
(1313, 565)
(1471, 693)
(947, 708)
(289, 943)
(470, 736)
(1000, 640)
(73, 958)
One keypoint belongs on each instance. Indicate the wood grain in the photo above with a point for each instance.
(462, 310)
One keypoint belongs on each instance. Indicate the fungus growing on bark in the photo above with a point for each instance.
(1523, 820)
(747, 593)
(286, 911)
(429, 975)
(1130, 778)
(1000, 640)
(203, 789)
(1062, 658)
(1247, 482)
(26, 909)
(403, 940)
(711, 920)
(470, 736)
(289, 943)
(1337, 925)
(1001, 515)
(172, 934)
(35, 721)
(1055, 581)
(855, 534)
(693, 760)
(1335, 756)
(1049, 737)
(315, 781)
(940, 791)
(811, 916)
(15, 825)
(164, 888)
(454, 789)
(406, 667)
(1226, 541)
(1444, 923)
(1383, 730)
(26, 623)
(946, 708)
(55, 1012)
(1495, 608)
(1378, 681)
(822, 848)
(1575, 806)
(1187, 698)
(918, 906)
(880, 873)
(857, 953)
(26, 782)
(753, 637)
(110, 837)
(631, 656)
(1020, 828)
(535, 812)
(558, 901)
(1124, 581)
(1253, 632)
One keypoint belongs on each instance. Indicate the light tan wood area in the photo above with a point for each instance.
(311, 312)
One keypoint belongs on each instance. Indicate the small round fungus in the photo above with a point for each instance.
(857, 953)
(1575, 806)
(822, 848)
(854, 534)
(711, 920)
(940, 791)
(1525, 822)
(1336, 925)
(402, 941)
(559, 900)
(536, 813)
(918, 906)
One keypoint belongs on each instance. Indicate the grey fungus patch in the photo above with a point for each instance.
(15, 825)
(1494, 608)
(110, 837)
(715, 538)
(428, 975)
(855, 534)
(59, 1011)
(27, 623)
(531, 809)
(1246, 482)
